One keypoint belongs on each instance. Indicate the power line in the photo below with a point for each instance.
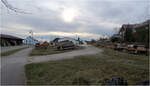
(9, 6)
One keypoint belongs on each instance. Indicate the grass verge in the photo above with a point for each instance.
(35, 52)
(10, 52)
(48, 51)
(92, 69)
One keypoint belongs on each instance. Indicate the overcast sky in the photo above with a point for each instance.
(84, 18)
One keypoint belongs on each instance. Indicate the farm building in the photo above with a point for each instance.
(139, 30)
(8, 40)
(57, 40)
(135, 33)
(30, 41)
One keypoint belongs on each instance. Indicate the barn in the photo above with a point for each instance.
(9, 40)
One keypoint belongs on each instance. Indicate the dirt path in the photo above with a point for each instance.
(87, 51)
(12, 68)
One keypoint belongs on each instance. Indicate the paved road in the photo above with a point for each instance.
(4, 49)
(12, 68)
(87, 51)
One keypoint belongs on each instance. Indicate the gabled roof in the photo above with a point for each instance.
(68, 38)
(33, 38)
(9, 37)
(56, 39)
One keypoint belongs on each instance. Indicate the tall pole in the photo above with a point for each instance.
(31, 34)
(76, 36)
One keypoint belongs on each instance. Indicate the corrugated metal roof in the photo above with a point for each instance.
(9, 36)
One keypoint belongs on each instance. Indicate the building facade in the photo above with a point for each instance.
(133, 28)
(30, 41)
(8, 40)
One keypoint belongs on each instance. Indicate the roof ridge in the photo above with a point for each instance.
(9, 36)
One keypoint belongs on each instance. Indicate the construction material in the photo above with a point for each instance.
(65, 45)
(123, 47)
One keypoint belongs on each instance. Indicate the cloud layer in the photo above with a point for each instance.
(86, 18)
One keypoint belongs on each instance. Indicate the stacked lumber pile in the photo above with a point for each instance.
(128, 48)
(132, 48)
(137, 49)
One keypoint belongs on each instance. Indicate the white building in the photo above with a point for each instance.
(30, 41)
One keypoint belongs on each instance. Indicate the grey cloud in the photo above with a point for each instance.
(122, 11)
(47, 18)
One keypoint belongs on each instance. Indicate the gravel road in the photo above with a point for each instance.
(88, 50)
(12, 68)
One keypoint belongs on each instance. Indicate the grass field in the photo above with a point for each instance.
(92, 69)
(10, 52)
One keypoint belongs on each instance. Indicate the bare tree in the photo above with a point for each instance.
(116, 30)
(9, 6)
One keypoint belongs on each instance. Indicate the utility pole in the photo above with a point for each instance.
(31, 34)
(76, 36)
